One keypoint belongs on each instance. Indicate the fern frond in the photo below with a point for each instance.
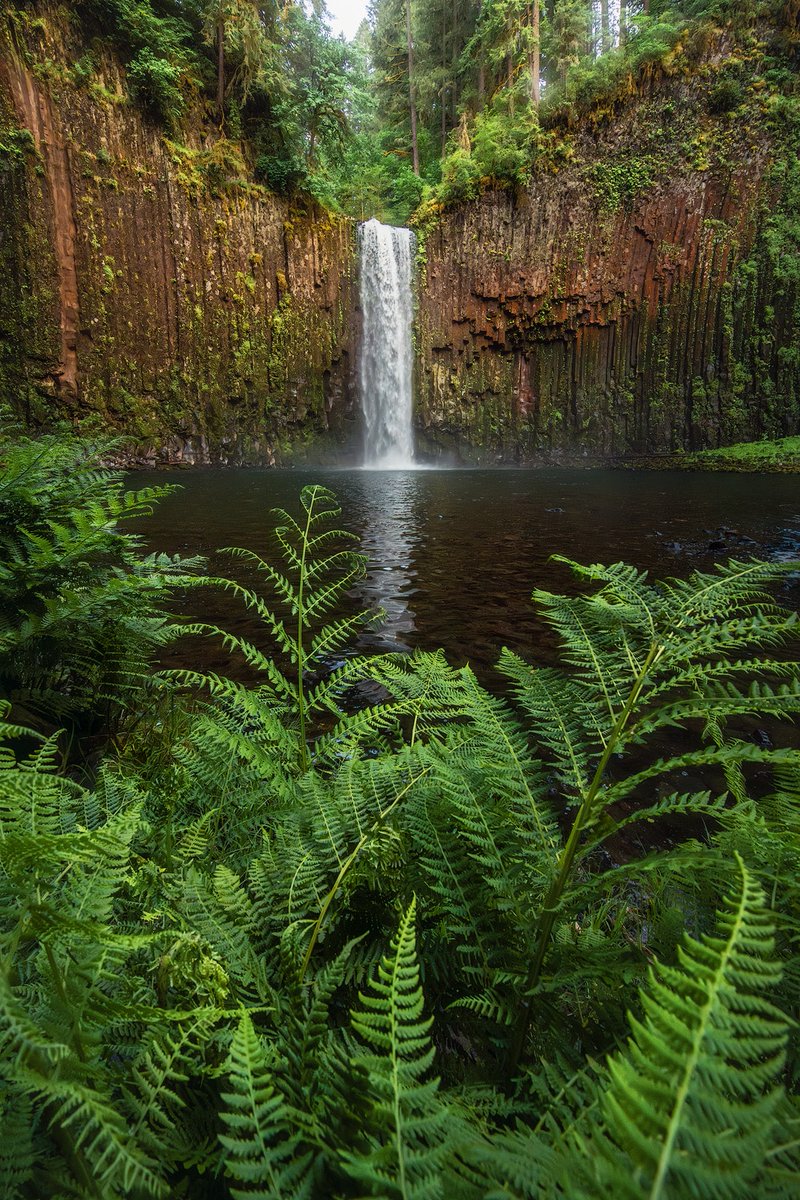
(91, 1132)
(18, 1154)
(692, 1106)
(261, 1151)
(408, 1138)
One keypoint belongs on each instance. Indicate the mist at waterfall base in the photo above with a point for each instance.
(386, 358)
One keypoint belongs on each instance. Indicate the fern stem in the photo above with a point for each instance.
(396, 1092)
(665, 1158)
(80, 1049)
(72, 1154)
(301, 699)
(347, 864)
(567, 859)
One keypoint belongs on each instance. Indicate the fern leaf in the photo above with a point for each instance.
(691, 1108)
(408, 1143)
(260, 1150)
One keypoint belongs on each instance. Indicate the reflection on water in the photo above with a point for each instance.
(387, 543)
(455, 554)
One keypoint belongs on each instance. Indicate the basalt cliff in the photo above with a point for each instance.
(638, 295)
(146, 286)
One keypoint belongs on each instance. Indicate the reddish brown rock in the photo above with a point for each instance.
(594, 315)
(146, 290)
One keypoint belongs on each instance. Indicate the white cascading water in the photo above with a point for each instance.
(387, 359)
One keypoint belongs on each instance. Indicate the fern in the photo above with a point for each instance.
(184, 930)
(643, 658)
(261, 1148)
(408, 1135)
(315, 577)
(81, 608)
(693, 1106)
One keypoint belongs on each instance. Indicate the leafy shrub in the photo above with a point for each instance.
(618, 183)
(501, 145)
(155, 82)
(84, 68)
(16, 145)
(461, 177)
(283, 174)
(500, 150)
(136, 25)
(725, 96)
(405, 189)
(221, 163)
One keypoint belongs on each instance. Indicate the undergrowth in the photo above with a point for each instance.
(284, 943)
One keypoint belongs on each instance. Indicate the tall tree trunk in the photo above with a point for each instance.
(443, 105)
(623, 22)
(535, 60)
(443, 91)
(605, 28)
(221, 68)
(481, 63)
(411, 101)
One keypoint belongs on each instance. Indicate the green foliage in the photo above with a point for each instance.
(155, 82)
(771, 454)
(590, 59)
(617, 183)
(701, 1080)
(64, 990)
(81, 613)
(259, 1148)
(282, 174)
(317, 573)
(16, 145)
(725, 96)
(502, 149)
(137, 25)
(409, 1144)
(461, 176)
(646, 657)
(196, 995)
(495, 86)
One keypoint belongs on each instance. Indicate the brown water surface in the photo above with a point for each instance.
(454, 555)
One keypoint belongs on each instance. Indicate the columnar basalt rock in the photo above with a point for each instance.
(628, 301)
(619, 304)
(146, 290)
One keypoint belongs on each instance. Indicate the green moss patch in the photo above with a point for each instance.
(781, 454)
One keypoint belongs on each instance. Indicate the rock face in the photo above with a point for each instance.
(625, 303)
(637, 297)
(145, 288)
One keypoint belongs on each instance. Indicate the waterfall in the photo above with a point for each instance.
(386, 361)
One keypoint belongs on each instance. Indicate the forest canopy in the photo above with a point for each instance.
(430, 101)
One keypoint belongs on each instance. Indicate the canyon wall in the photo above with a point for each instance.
(634, 299)
(147, 286)
(637, 296)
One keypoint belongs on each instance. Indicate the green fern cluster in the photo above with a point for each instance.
(81, 608)
(287, 946)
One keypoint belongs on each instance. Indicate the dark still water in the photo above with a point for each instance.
(454, 555)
